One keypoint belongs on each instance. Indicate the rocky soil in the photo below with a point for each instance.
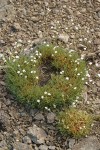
(74, 24)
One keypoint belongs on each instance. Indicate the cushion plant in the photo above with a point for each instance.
(49, 77)
(75, 122)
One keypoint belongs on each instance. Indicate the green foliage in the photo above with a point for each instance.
(75, 122)
(48, 78)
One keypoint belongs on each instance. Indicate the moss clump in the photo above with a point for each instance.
(75, 122)
(49, 77)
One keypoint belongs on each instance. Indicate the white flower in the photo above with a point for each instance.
(71, 50)
(18, 65)
(44, 42)
(78, 74)
(99, 75)
(90, 63)
(18, 72)
(25, 77)
(31, 59)
(49, 94)
(75, 88)
(31, 56)
(55, 47)
(75, 61)
(34, 58)
(37, 77)
(38, 101)
(86, 83)
(54, 105)
(16, 57)
(25, 61)
(80, 128)
(73, 103)
(90, 80)
(88, 75)
(82, 79)
(55, 52)
(45, 92)
(23, 70)
(97, 65)
(46, 108)
(37, 54)
(14, 60)
(1, 55)
(21, 74)
(75, 69)
(31, 48)
(61, 72)
(84, 126)
(78, 63)
(47, 45)
(35, 61)
(32, 71)
(52, 54)
(85, 48)
(42, 97)
(67, 78)
(40, 54)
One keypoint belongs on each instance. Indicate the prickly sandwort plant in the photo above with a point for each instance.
(75, 122)
(50, 77)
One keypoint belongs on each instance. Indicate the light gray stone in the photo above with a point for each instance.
(52, 147)
(37, 135)
(26, 140)
(89, 143)
(21, 146)
(43, 147)
(64, 37)
(51, 117)
(39, 116)
(71, 143)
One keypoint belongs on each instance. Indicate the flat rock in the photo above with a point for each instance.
(37, 135)
(71, 143)
(26, 140)
(52, 147)
(43, 147)
(22, 146)
(89, 143)
(63, 37)
(51, 117)
(39, 117)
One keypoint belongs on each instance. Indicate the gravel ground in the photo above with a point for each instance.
(74, 24)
